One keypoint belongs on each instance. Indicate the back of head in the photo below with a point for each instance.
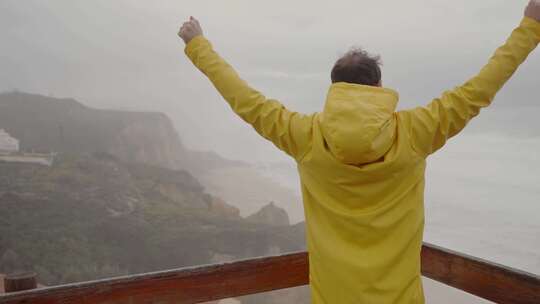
(357, 120)
(359, 67)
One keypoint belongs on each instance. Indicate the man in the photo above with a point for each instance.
(362, 164)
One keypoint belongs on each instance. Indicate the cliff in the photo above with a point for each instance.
(64, 125)
(44, 123)
(270, 215)
(124, 196)
(91, 216)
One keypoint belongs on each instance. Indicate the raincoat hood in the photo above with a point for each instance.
(358, 122)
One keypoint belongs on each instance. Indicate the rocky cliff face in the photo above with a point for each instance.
(270, 215)
(110, 205)
(92, 216)
(65, 125)
(151, 139)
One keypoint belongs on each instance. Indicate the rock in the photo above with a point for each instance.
(270, 215)
(220, 207)
(67, 126)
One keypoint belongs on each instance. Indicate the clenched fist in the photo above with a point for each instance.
(533, 10)
(190, 29)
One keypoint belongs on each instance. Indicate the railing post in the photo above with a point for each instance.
(20, 281)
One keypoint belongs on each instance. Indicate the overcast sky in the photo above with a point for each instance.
(126, 55)
(482, 194)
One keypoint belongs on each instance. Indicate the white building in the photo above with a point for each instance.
(8, 143)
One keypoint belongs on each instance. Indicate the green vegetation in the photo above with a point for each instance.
(92, 216)
(107, 206)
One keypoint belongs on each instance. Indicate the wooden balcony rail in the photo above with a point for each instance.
(488, 280)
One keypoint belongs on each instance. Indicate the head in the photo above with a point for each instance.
(358, 66)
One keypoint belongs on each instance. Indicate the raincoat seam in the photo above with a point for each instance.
(310, 139)
(410, 138)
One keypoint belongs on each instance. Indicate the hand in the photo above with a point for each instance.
(533, 10)
(190, 29)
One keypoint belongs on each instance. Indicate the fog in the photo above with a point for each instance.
(482, 190)
(125, 54)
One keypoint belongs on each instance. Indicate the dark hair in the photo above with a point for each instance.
(357, 66)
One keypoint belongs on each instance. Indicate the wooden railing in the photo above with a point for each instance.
(487, 280)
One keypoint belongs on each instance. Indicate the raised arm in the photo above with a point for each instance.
(289, 131)
(431, 126)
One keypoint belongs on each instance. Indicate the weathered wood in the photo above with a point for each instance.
(180, 286)
(207, 283)
(20, 281)
(482, 278)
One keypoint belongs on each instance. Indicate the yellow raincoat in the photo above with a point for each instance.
(362, 167)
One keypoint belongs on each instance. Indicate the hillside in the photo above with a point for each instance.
(65, 125)
(92, 216)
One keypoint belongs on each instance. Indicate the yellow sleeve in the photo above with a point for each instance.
(289, 131)
(431, 126)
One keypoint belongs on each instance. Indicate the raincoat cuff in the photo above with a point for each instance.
(192, 45)
(533, 26)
